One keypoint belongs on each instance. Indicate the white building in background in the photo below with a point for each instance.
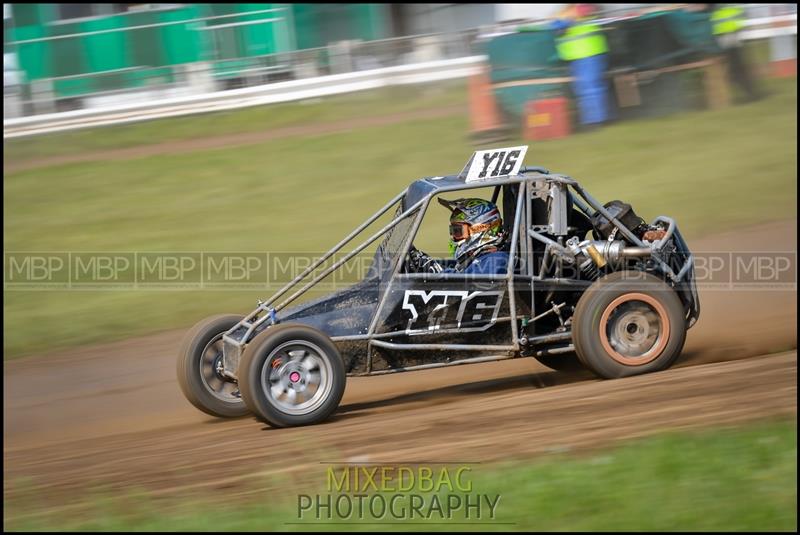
(416, 19)
(508, 12)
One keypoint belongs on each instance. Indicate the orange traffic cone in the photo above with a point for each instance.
(485, 121)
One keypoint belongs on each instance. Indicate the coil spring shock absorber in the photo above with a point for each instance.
(587, 257)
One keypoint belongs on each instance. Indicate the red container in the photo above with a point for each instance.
(546, 119)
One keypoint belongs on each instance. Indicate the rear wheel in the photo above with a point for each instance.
(292, 375)
(200, 369)
(628, 323)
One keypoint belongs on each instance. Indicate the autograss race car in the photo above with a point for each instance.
(585, 284)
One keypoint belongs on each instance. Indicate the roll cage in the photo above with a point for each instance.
(373, 325)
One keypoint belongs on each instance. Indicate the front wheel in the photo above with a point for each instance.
(628, 323)
(292, 375)
(200, 369)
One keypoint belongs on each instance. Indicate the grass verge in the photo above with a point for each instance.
(728, 479)
(384, 101)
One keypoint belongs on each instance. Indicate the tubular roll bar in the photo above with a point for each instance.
(338, 246)
(524, 193)
(268, 304)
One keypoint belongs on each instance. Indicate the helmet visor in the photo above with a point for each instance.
(459, 231)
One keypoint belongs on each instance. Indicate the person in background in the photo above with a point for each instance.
(581, 43)
(727, 22)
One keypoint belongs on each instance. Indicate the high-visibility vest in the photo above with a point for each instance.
(582, 40)
(728, 19)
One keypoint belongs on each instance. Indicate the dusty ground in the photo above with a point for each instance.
(113, 415)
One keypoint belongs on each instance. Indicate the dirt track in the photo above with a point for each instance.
(231, 140)
(113, 414)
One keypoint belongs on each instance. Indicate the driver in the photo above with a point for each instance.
(476, 239)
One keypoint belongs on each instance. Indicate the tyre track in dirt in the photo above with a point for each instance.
(232, 140)
(93, 416)
(496, 424)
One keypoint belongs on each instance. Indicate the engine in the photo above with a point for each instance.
(575, 243)
(611, 249)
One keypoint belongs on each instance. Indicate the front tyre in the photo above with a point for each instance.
(628, 323)
(292, 375)
(200, 369)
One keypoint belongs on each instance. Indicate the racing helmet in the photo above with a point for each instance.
(475, 227)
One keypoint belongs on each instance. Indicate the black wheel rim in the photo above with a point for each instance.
(214, 381)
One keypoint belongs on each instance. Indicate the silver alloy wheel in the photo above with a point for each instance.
(634, 329)
(295, 378)
(211, 373)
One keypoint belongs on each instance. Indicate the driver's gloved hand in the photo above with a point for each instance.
(424, 263)
(429, 265)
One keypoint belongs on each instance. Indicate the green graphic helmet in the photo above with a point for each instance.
(475, 226)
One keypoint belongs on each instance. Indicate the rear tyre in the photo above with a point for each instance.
(292, 375)
(628, 323)
(200, 369)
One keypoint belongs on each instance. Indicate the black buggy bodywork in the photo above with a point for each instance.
(396, 319)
